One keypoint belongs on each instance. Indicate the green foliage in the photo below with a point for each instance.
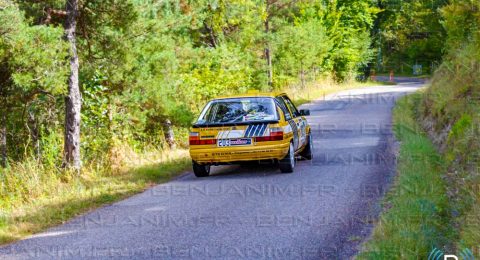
(34, 56)
(459, 128)
(51, 144)
(33, 67)
(408, 33)
(96, 116)
(295, 52)
(38, 59)
(349, 27)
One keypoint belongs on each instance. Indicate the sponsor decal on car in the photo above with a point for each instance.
(256, 130)
(234, 142)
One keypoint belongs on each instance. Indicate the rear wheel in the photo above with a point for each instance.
(201, 170)
(288, 163)
(307, 152)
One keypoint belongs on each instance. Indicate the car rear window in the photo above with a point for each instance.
(238, 110)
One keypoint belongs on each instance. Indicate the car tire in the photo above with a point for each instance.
(307, 152)
(288, 162)
(201, 170)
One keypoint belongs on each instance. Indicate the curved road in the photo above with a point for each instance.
(324, 210)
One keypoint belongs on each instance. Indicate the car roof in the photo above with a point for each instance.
(253, 94)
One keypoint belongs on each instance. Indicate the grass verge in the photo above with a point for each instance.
(34, 198)
(416, 211)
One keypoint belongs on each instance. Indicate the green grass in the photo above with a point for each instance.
(415, 217)
(34, 198)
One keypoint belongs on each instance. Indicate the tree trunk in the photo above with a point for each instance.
(302, 75)
(3, 139)
(73, 102)
(34, 134)
(268, 55)
(211, 33)
(168, 132)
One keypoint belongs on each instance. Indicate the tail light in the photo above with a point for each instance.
(276, 134)
(194, 139)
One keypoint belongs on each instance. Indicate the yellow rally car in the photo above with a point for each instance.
(250, 127)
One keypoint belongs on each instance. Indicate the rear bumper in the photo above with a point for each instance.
(238, 154)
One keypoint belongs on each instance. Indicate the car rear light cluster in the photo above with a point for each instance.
(202, 142)
(276, 134)
(194, 139)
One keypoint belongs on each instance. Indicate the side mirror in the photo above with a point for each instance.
(304, 112)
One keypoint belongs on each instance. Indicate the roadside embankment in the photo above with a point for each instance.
(416, 210)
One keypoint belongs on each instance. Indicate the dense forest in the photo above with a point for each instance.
(147, 64)
(81, 78)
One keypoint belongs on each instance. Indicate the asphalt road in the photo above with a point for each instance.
(324, 210)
